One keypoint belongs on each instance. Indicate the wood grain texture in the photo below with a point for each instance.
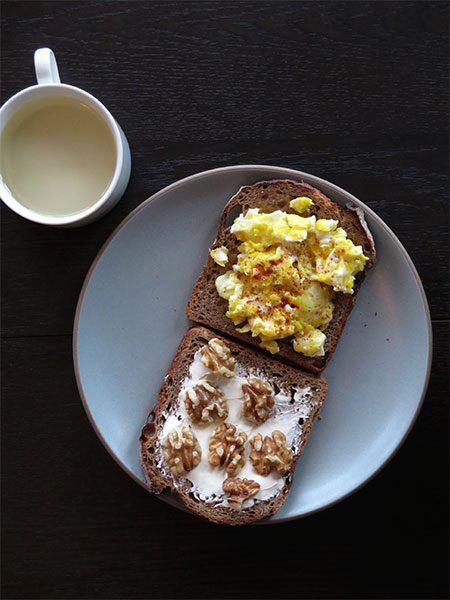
(343, 92)
(75, 526)
(354, 92)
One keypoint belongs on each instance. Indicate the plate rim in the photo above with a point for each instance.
(297, 174)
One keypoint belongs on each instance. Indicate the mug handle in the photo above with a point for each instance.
(45, 66)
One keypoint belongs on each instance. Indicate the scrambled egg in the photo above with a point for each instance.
(301, 205)
(287, 271)
(220, 255)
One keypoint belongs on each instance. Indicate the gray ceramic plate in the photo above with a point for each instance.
(130, 319)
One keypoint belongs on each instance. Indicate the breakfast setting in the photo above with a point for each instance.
(224, 298)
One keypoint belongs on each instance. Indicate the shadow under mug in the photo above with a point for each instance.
(49, 84)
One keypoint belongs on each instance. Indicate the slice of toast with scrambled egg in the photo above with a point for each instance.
(284, 271)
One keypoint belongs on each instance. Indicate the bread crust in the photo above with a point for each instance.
(159, 479)
(206, 307)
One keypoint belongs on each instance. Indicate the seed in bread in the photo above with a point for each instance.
(231, 490)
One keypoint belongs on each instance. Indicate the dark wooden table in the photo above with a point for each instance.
(355, 92)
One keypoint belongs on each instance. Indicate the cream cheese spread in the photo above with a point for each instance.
(290, 411)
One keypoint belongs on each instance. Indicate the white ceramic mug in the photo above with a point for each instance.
(49, 84)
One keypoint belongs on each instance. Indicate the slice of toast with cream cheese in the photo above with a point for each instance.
(228, 428)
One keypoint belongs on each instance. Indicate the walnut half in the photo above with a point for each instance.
(217, 357)
(181, 452)
(270, 452)
(203, 400)
(226, 448)
(239, 490)
(258, 400)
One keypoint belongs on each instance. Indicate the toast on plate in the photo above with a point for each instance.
(208, 308)
(228, 428)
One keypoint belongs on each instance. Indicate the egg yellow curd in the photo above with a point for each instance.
(286, 274)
